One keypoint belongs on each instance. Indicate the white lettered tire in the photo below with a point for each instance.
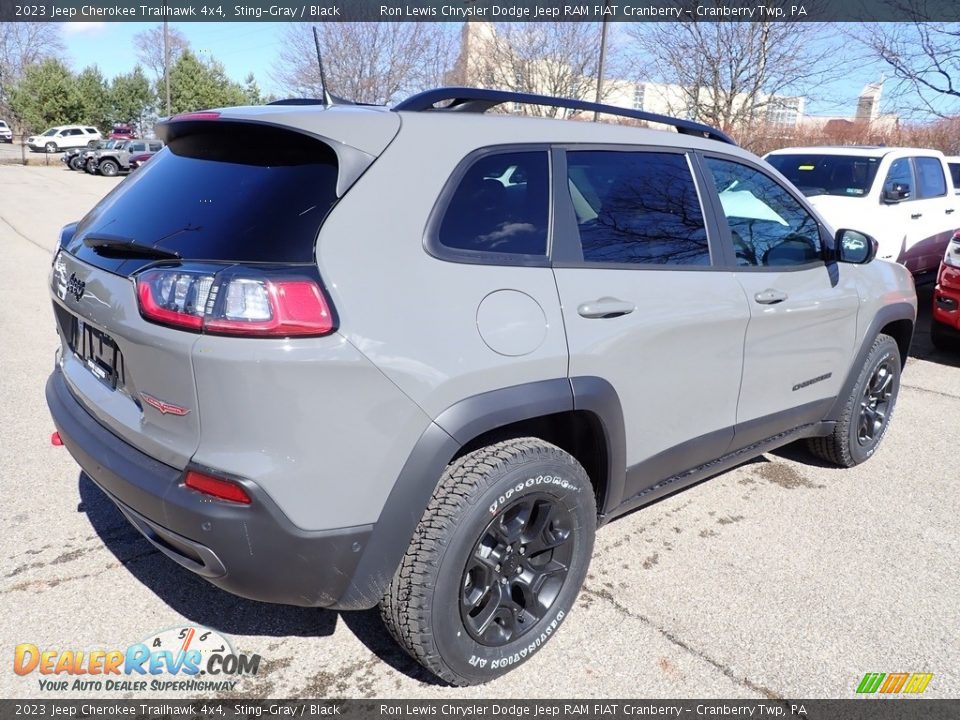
(496, 562)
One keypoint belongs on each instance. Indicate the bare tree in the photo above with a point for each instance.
(924, 58)
(547, 58)
(149, 47)
(730, 74)
(365, 61)
(23, 44)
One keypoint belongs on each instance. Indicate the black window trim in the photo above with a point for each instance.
(826, 239)
(431, 237)
(567, 252)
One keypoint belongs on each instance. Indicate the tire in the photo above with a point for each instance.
(868, 411)
(446, 604)
(76, 163)
(108, 168)
(50, 147)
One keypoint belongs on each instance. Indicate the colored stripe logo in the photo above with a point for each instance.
(894, 683)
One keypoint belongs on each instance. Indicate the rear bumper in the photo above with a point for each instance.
(250, 550)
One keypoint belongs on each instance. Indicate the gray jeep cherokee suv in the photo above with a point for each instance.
(415, 356)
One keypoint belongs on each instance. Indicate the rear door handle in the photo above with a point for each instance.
(770, 296)
(949, 211)
(916, 216)
(605, 307)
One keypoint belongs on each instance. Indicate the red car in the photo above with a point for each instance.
(122, 131)
(139, 159)
(945, 328)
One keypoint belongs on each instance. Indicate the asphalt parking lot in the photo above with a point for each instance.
(781, 578)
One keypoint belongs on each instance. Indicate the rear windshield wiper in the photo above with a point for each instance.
(114, 246)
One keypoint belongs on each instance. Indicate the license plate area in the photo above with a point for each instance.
(99, 353)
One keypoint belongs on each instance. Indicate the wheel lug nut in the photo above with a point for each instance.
(498, 568)
(523, 550)
(503, 581)
(519, 570)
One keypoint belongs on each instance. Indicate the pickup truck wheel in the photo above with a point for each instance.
(942, 338)
(76, 163)
(496, 562)
(108, 168)
(867, 412)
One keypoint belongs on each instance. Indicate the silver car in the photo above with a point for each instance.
(344, 356)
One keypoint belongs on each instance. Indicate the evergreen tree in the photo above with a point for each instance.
(95, 99)
(47, 95)
(132, 98)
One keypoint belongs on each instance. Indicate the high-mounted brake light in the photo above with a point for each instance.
(202, 115)
(217, 487)
(245, 302)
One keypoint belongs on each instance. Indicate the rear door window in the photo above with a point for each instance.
(931, 181)
(637, 208)
(235, 192)
(499, 209)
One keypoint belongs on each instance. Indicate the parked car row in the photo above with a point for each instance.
(112, 157)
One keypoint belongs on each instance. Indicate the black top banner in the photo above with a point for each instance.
(481, 10)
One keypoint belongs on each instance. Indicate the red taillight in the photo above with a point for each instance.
(272, 308)
(250, 303)
(174, 298)
(217, 487)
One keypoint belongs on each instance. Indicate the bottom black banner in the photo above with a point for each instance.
(892, 709)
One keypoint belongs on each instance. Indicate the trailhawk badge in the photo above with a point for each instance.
(164, 407)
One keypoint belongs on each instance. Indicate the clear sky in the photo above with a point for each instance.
(254, 47)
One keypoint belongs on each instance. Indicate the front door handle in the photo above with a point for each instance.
(605, 307)
(916, 216)
(949, 211)
(770, 296)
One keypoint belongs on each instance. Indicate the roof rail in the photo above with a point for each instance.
(331, 100)
(298, 101)
(463, 99)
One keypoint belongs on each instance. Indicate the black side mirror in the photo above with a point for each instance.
(896, 192)
(855, 247)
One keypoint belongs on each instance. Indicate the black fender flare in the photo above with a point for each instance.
(886, 315)
(451, 430)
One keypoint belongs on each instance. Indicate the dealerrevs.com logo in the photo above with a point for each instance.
(187, 659)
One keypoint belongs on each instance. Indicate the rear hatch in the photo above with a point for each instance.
(227, 196)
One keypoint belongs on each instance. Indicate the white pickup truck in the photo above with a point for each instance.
(904, 197)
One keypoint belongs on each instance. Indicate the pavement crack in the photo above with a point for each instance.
(605, 594)
(25, 237)
(932, 392)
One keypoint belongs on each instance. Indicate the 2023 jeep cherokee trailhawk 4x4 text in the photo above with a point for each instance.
(416, 356)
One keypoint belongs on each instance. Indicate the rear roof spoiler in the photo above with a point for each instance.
(351, 162)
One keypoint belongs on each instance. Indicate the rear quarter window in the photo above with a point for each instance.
(498, 211)
(930, 179)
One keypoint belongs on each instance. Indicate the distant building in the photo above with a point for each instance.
(867, 114)
(475, 67)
